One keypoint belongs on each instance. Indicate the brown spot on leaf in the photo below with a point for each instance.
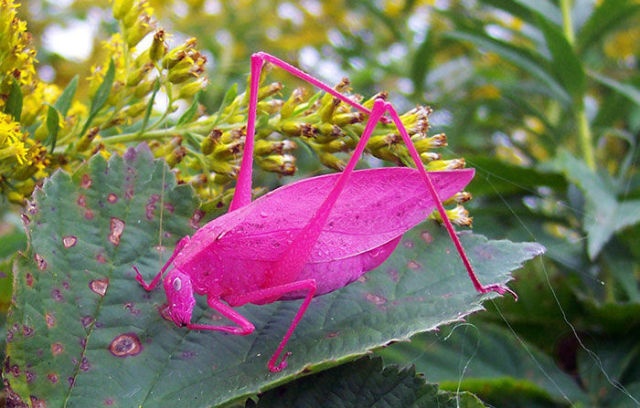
(84, 364)
(53, 377)
(116, 230)
(101, 258)
(86, 321)
(426, 237)
(28, 277)
(69, 241)
(112, 198)
(194, 221)
(99, 286)
(37, 403)
(89, 215)
(151, 206)
(131, 307)
(332, 335)
(375, 299)
(82, 201)
(50, 319)
(42, 264)
(57, 349)
(56, 294)
(393, 275)
(407, 243)
(86, 181)
(414, 265)
(15, 370)
(125, 345)
(27, 331)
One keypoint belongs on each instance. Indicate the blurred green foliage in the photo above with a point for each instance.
(542, 97)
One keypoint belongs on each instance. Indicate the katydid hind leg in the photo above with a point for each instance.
(501, 289)
(150, 286)
(242, 194)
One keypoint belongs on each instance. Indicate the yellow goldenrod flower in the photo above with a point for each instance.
(12, 148)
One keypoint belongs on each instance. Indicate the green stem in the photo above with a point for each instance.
(567, 23)
(584, 132)
(585, 136)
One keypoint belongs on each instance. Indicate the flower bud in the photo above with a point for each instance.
(382, 141)
(284, 164)
(86, 139)
(441, 165)
(295, 99)
(176, 156)
(331, 161)
(139, 30)
(158, 47)
(266, 147)
(327, 109)
(138, 74)
(121, 8)
(291, 128)
(208, 143)
(269, 90)
(343, 119)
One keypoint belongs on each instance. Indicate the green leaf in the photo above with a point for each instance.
(609, 15)
(101, 96)
(520, 57)
(149, 109)
(628, 90)
(524, 9)
(63, 325)
(464, 357)
(364, 383)
(66, 98)
(605, 214)
(566, 65)
(13, 104)
(53, 125)
(191, 111)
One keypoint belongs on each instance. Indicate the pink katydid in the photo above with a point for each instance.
(307, 238)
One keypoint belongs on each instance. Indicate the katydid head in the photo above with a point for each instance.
(180, 300)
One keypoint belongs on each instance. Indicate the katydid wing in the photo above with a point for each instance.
(308, 238)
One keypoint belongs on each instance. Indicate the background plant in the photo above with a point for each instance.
(541, 97)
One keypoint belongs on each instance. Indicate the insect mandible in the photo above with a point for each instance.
(297, 241)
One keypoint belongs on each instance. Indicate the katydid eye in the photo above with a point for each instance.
(177, 284)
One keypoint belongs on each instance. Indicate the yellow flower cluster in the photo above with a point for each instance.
(20, 157)
(54, 129)
(16, 54)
